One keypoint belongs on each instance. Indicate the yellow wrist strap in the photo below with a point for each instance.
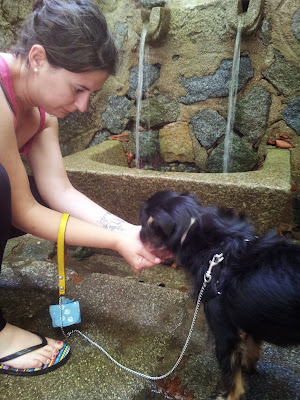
(61, 254)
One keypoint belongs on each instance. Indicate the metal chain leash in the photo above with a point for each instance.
(217, 258)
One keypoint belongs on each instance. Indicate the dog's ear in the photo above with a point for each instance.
(163, 222)
(192, 196)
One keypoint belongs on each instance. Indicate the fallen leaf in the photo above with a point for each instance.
(183, 289)
(282, 144)
(173, 389)
(271, 142)
(121, 137)
(75, 278)
(294, 188)
(130, 157)
(284, 136)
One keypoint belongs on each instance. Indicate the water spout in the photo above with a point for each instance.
(234, 83)
(158, 21)
(245, 5)
(247, 13)
(139, 96)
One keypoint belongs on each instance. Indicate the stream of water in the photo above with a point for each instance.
(233, 89)
(139, 97)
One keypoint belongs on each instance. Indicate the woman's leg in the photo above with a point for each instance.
(12, 338)
(5, 220)
(15, 232)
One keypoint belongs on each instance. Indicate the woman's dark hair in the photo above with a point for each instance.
(74, 34)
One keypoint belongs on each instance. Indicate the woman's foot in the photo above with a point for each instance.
(13, 339)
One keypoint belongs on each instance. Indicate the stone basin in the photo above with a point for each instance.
(264, 195)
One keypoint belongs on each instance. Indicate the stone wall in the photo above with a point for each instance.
(186, 82)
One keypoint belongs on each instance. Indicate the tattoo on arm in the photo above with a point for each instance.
(111, 222)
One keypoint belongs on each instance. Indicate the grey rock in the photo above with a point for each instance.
(99, 137)
(120, 33)
(292, 114)
(148, 145)
(216, 85)
(296, 25)
(116, 114)
(283, 74)
(252, 113)
(160, 110)
(208, 126)
(241, 157)
(150, 74)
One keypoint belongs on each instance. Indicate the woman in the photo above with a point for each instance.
(64, 53)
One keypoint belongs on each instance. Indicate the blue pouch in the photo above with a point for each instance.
(66, 313)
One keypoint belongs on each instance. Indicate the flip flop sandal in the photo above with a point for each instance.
(61, 358)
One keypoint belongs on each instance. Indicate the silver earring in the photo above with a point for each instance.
(35, 69)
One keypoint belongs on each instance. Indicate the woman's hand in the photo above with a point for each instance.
(135, 253)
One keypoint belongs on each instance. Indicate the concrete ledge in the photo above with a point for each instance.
(264, 195)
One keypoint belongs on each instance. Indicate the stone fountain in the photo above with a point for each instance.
(186, 100)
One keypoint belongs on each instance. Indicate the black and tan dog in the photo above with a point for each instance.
(254, 294)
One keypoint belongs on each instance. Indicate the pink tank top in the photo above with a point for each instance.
(6, 82)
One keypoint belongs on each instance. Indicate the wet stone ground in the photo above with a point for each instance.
(141, 320)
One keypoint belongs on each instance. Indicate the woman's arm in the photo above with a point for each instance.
(51, 179)
(29, 216)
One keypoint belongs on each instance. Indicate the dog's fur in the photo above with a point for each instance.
(254, 294)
